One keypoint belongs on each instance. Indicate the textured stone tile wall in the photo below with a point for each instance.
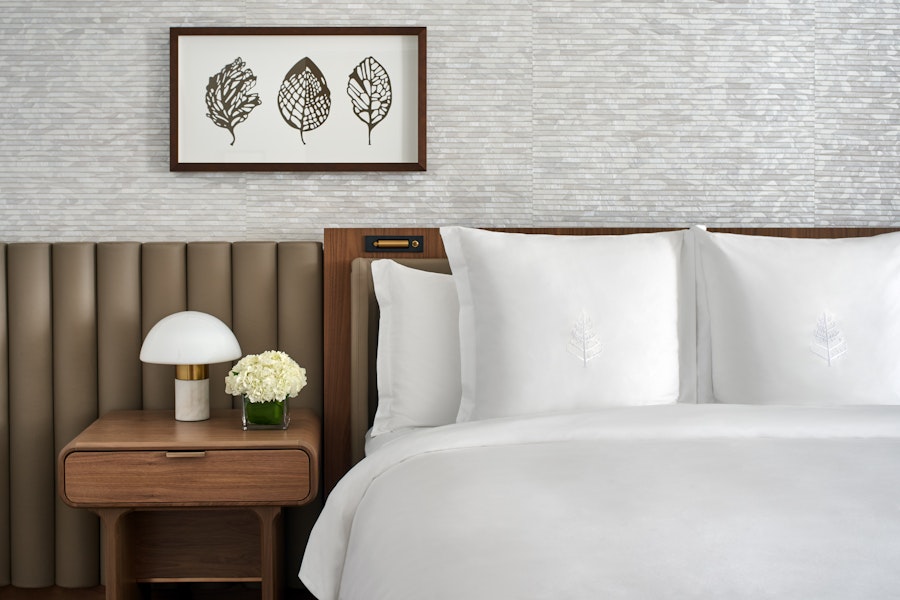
(567, 112)
(857, 142)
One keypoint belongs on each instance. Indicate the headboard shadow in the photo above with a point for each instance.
(351, 315)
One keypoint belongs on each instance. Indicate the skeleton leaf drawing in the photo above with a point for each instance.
(228, 96)
(369, 89)
(304, 98)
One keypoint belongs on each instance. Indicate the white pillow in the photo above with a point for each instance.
(798, 321)
(551, 323)
(418, 348)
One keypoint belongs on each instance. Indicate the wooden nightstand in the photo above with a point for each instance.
(190, 501)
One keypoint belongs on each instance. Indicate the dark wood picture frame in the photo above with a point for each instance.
(222, 100)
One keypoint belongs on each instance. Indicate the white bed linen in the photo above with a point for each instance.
(374, 442)
(674, 501)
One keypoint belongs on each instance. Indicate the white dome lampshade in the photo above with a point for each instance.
(191, 341)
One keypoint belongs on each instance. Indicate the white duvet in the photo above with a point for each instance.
(656, 502)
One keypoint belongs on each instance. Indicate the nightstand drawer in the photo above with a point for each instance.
(216, 477)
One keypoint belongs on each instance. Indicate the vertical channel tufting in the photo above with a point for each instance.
(209, 291)
(4, 427)
(73, 316)
(163, 292)
(300, 335)
(118, 326)
(255, 296)
(299, 310)
(74, 302)
(32, 459)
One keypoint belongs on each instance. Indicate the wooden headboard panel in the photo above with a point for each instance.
(343, 246)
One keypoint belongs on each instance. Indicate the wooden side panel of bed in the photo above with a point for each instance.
(343, 245)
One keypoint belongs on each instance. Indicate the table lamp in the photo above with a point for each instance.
(191, 341)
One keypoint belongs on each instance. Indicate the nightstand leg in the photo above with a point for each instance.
(271, 541)
(120, 583)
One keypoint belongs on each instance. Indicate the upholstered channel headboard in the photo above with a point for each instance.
(351, 319)
(74, 318)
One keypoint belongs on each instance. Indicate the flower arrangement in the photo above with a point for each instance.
(272, 376)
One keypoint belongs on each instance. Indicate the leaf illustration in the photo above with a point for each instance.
(584, 344)
(828, 340)
(227, 96)
(304, 98)
(369, 89)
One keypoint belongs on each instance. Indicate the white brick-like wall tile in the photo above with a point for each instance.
(568, 112)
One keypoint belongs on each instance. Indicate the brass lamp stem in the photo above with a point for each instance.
(191, 372)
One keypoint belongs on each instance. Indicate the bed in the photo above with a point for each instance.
(611, 413)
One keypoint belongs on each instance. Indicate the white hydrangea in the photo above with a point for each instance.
(272, 375)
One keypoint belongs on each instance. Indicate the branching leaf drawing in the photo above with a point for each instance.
(584, 344)
(828, 340)
(304, 98)
(228, 96)
(369, 89)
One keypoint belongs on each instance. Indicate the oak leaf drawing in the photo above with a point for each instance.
(304, 99)
(370, 92)
(228, 96)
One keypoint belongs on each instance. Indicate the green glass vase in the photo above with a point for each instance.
(274, 414)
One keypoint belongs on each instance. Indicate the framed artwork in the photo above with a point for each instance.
(297, 98)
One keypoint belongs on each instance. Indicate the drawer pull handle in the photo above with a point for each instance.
(186, 454)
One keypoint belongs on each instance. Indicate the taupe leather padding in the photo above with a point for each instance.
(364, 317)
(74, 318)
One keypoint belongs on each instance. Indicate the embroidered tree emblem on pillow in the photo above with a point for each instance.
(584, 343)
(828, 340)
